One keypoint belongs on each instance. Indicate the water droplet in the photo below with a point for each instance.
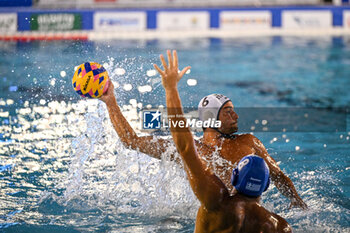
(143, 89)
(120, 71)
(192, 82)
(297, 148)
(151, 73)
(53, 82)
(63, 73)
(127, 87)
(10, 102)
(133, 102)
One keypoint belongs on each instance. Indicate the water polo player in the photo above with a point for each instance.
(232, 147)
(219, 211)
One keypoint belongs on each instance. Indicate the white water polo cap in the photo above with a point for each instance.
(209, 107)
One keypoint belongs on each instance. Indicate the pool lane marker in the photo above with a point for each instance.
(44, 36)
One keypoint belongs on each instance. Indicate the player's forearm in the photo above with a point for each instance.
(184, 141)
(181, 134)
(121, 125)
(206, 186)
(285, 186)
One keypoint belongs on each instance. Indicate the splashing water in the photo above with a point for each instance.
(63, 167)
(105, 176)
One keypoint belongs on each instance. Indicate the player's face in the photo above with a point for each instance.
(229, 119)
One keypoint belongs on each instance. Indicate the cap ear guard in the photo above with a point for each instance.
(234, 177)
(267, 184)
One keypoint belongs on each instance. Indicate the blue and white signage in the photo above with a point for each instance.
(8, 22)
(314, 19)
(123, 21)
(245, 20)
(346, 19)
(183, 20)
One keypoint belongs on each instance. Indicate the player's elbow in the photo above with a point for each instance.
(129, 142)
(279, 177)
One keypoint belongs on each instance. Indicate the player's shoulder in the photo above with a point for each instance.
(270, 222)
(247, 136)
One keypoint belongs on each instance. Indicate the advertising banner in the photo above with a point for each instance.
(307, 19)
(245, 19)
(126, 21)
(346, 19)
(13, 3)
(8, 22)
(182, 20)
(56, 22)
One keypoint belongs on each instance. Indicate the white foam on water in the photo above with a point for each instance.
(104, 174)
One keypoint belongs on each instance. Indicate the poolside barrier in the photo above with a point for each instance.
(74, 24)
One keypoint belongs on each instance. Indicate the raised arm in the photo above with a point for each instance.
(150, 145)
(282, 182)
(208, 188)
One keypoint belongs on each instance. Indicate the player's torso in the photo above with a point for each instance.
(231, 149)
(238, 215)
(221, 221)
(222, 158)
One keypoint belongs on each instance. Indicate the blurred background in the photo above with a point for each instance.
(86, 19)
(163, 3)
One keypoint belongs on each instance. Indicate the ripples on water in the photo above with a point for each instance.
(62, 165)
(66, 166)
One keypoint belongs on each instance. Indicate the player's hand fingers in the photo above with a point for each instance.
(170, 59)
(176, 61)
(183, 72)
(159, 70)
(163, 62)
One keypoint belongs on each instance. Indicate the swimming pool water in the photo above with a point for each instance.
(63, 168)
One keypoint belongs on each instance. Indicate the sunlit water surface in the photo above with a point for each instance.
(64, 169)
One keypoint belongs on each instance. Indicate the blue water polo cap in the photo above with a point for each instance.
(251, 177)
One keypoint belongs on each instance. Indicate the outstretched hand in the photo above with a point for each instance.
(170, 75)
(109, 94)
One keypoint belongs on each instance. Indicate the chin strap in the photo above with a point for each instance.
(223, 135)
